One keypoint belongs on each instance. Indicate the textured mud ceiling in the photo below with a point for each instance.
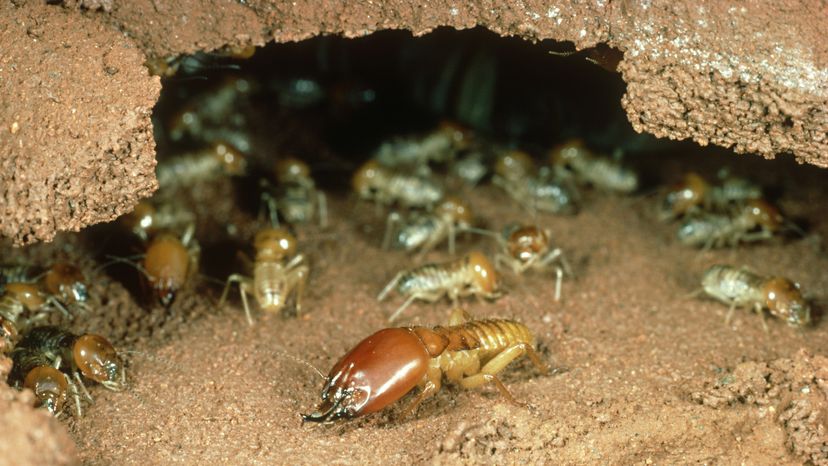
(76, 143)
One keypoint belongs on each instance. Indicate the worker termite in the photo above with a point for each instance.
(386, 186)
(34, 370)
(88, 355)
(62, 284)
(602, 172)
(384, 367)
(440, 146)
(740, 287)
(515, 174)
(756, 220)
(219, 159)
(148, 218)
(295, 197)
(169, 261)
(19, 298)
(472, 275)
(278, 273)
(425, 231)
(527, 247)
(694, 194)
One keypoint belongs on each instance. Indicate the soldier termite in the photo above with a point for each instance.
(423, 232)
(278, 273)
(385, 366)
(472, 275)
(739, 287)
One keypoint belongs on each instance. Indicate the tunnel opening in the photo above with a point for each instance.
(627, 327)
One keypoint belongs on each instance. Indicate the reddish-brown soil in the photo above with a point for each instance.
(649, 375)
(75, 96)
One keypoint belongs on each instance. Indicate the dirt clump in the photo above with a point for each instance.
(794, 392)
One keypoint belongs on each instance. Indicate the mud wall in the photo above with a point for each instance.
(76, 142)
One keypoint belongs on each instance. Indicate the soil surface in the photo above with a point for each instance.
(76, 97)
(647, 373)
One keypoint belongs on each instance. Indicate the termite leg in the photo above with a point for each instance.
(402, 308)
(498, 363)
(390, 286)
(459, 316)
(730, 312)
(431, 387)
(243, 282)
(299, 278)
(83, 387)
(390, 224)
(51, 300)
(451, 233)
(269, 202)
(758, 308)
(322, 202)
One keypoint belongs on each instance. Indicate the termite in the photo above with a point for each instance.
(602, 172)
(384, 367)
(425, 231)
(756, 220)
(169, 262)
(278, 273)
(62, 284)
(148, 218)
(527, 247)
(515, 173)
(440, 146)
(386, 186)
(472, 275)
(739, 287)
(19, 298)
(694, 194)
(34, 370)
(221, 158)
(295, 197)
(88, 355)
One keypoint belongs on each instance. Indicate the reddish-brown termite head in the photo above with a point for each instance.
(784, 300)
(167, 264)
(67, 283)
(526, 242)
(97, 359)
(689, 194)
(292, 169)
(455, 210)
(765, 215)
(484, 277)
(380, 370)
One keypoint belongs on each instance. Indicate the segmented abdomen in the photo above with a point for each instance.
(430, 277)
(269, 285)
(488, 336)
(730, 284)
(413, 190)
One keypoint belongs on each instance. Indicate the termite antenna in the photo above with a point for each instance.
(301, 361)
(138, 267)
